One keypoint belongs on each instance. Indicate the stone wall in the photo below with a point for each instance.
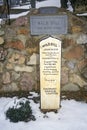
(19, 55)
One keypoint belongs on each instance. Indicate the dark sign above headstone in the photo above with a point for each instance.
(48, 10)
(52, 24)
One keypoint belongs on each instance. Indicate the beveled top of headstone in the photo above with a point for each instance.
(48, 10)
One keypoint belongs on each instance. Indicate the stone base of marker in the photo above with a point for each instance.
(50, 69)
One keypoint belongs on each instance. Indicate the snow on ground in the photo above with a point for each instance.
(71, 116)
(45, 3)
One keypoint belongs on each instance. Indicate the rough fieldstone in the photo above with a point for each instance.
(15, 45)
(21, 21)
(2, 32)
(84, 73)
(70, 87)
(17, 58)
(1, 41)
(10, 34)
(32, 50)
(64, 75)
(9, 66)
(15, 75)
(74, 53)
(6, 77)
(34, 59)
(67, 42)
(27, 82)
(23, 31)
(78, 80)
(22, 38)
(76, 29)
(23, 68)
(82, 64)
(71, 64)
(82, 39)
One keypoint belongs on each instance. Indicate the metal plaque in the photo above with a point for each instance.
(56, 24)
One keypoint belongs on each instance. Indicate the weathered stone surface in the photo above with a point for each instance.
(2, 32)
(15, 45)
(22, 31)
(82, 39)
(70, 87)
(23, 68)
(27, 82)
(22, 38)
(32, 50)
(17, 58)
(6, 77)
(64, 75)
(34, 59)
(10, 34)
(74, 53)
(71, 64)
(3, 54)
(15, 76)
(84, 73)
(78, 80)
(1, 41)
(76, 29)
(9, 66)
(21, 21)
(81, 64)
(67, 42)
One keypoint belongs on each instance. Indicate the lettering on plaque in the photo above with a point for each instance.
(50, 69)
(56, 24)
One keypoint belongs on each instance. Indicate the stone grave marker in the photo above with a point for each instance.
(50, 71)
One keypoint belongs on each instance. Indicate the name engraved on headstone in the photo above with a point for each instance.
(56, 24)
(50, 68)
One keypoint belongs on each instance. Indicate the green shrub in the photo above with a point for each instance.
(21, 113)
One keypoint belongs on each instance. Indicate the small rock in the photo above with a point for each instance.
(22, 38)
(23, 69)
(2, 32)
(1, 40)
(15, 75)
(82, 39)
(34, 59)
(74, 53)
(6, 78)
(76, 29)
